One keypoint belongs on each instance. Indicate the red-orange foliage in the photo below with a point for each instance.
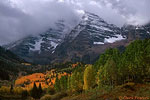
(38, 78)
(30, 79)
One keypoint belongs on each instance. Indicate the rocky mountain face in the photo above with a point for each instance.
(38, 48)
(136, 32)
(85, 42)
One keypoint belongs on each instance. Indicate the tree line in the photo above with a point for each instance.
(111, 69)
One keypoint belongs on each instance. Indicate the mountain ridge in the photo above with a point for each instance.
(85, 41)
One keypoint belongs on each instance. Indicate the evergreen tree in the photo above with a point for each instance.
(11, 88)
(40, 91)
(34, 91)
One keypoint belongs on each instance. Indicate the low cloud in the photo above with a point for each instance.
(134, 12)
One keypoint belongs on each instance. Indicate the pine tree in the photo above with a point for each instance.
(11, 88)
(40, 91)
(34, 91)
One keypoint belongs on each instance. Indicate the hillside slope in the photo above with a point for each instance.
(9, 64)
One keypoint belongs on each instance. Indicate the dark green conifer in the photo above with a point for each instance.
(40, 91)
(34, 91)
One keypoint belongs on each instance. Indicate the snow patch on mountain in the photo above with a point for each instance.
(53, 44)
(114, 39)
(37, 46)
(98, 43)
(111, 39)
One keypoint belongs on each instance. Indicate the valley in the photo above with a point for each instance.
(94, 60)
(115, 75)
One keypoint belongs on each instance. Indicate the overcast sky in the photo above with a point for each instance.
(20, 18)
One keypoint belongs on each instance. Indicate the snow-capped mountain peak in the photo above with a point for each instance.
(99, 31)
(91, 17)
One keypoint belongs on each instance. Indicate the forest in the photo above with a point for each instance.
(115, 74)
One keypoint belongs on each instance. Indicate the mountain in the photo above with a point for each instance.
(6, 54)
(88, 39)
(84, 43)
(9, 64)
(38, 48)
(136, 32)
(96, 29)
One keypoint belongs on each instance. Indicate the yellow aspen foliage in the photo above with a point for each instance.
(89, 77)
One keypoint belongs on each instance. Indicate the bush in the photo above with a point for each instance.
(129, 85)
(29, 98)
(46, 97)
(50, 90)
(58, 96)
(4, 90)
(18, 90)
(24, 94)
